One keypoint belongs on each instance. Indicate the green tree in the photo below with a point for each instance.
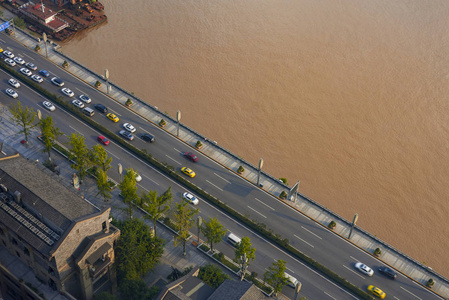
(23, 117)
(212, 275)
(275, 276)
(19, 22)
(104, 186)
(128, 190)
(99, 158)
(156, 205)
(244, 254)
(137, 290)
(213, 231)
(50, 134)
(183, 216)
(79, 153)
(104, 296)
(138, 251)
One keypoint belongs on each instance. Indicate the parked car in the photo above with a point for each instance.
(190, 198)
(191, 156)
(12, 93)
(10, 62)
(101, 108)
(57, 81)
(103, 140)
(13, 82)
(37, 78)
(48, 105)
(127, 135)
(19, 60)
(376, 292)
(364, 269)
(25, 71)
(388, 272)
(129, 127)
(148, 137)
(85, 99)
(112, 117)
(31, 66)
(78, 103)
(44, 73)
(8, 54)
(189, 172)
(67, 92)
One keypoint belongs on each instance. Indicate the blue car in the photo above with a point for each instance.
(44, 73)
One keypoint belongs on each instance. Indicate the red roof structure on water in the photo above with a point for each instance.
(44, 16)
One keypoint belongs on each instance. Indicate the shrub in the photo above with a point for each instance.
(240, 170)
(283, 179)
(128, 102)
(198, 145)
(212, 275)
(162, 123)
(65, 64)
(377, 252)
(97, 84)
(430, 283)
(283, 195)
(37, 48)
(332, 225)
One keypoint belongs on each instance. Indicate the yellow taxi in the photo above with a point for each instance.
(189, 172)
(112, 117)
(376, 291)
(1, 49)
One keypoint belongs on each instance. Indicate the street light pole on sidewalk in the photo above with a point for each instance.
(120, 169)
(354, 220)
(44, 36)
(199, 222)
(178, 118)
(106, 75)
(260, 169)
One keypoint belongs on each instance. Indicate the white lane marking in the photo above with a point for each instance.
(113, 155)
(143, 187)
(311, 232)
(304, 241)
(80, 91)
(410, 292)
(214, 185)
(330, 296)
(28, 56)
(354, 272)
(178, 150)
(396, 297)
(354, 258)
(144, 130)
(150, 179)
(290, 270)
(256, 211)
(265, 204)
(222, 178)
(76, 130)
(174, 160)
(115, 113)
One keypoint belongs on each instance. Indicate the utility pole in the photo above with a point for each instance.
(354, 220)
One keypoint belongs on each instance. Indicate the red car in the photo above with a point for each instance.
(103, 140)
(191, 156)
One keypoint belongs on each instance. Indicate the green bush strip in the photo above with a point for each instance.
(169, 170)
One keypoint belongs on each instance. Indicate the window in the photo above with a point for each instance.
(103, 225)
(13, 240)
(26, 251)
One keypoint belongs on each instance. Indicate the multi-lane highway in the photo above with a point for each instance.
(312, 239)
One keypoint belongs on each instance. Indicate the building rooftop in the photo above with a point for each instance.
(236, 290)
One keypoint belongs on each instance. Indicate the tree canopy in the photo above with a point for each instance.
(183, 216)
(23, 117)
(212, 275)
(156, 205)
(244, 254)
(213, 231)
(275, 276)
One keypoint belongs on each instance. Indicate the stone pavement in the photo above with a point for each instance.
(364, 240)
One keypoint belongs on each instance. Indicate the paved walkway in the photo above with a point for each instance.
(305, 205)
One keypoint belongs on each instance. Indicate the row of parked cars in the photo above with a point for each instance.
(369, 272)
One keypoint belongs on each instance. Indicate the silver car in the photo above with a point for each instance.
(129, 127)
(25, 71)
(37, 78)
(78, 103)
(11, 93)
(85, 98)
(19, 60)
(67, 92)
(48, 105)
(190, 198)
(10, 62)
(14, 83)
(8, 54)
(364, 269)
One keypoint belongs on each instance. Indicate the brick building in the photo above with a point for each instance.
(65, 240)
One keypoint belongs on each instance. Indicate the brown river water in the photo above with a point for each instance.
(349, 97)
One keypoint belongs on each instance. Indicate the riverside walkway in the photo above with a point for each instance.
(362, 239)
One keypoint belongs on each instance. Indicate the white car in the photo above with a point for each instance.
(10, 62)
(14, 83)
(12, 93)
(67, 92)
(57, 81)
(190, 198)
(48, 105)
(19, 60)
(8, 54)
(78, 103)
(364, 269)
(37, 78)
(31, 66)
(129, 127)
(25, 71)
(85, 98)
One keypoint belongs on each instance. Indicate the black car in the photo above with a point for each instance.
(57, 81)
(388, 272)
(101, 108)
(148, 137)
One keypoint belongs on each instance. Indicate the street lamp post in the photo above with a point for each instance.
(354, 220)
(44, 36)
(178, 118)
(260, 169)
(120, 169)
(244, 266)
(199, 222)
(297, 289)
(106, 75)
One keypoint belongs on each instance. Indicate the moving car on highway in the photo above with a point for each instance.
(48, 105)
(148, 137)
(191, 156)
(31, 66)
(19, 60)
(8, 54)
(37, 78)
(85, 99)
(78, 103)
(129, 127)
(25, 72)
(126, 135)
(103, 140)
(67, 92)
(364, 269)
(388, 272)
(44, 73)
(190, 198)
(57, 81)
(13, 82)
(101, 108)
(189, 172)
(112, 117)
(11, 93)
(376, 291)
(10, 62)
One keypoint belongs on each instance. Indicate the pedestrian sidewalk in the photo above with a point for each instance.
(366, 241)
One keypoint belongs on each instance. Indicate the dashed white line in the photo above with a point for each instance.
(178, 150)
(115, 113)
(80, 90)
(354, 272)
(150, 179)
(214, 185)
(28, 56)
(330, 296)
(222, 178)
(396, 297)
(76, 130)
(144, 130)
(265, 204)
(311, 232)
(173, 159)
(304, 241)
(410, 292)
(354, 258)
(290, 270)
(256, 211)
(113, 155)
